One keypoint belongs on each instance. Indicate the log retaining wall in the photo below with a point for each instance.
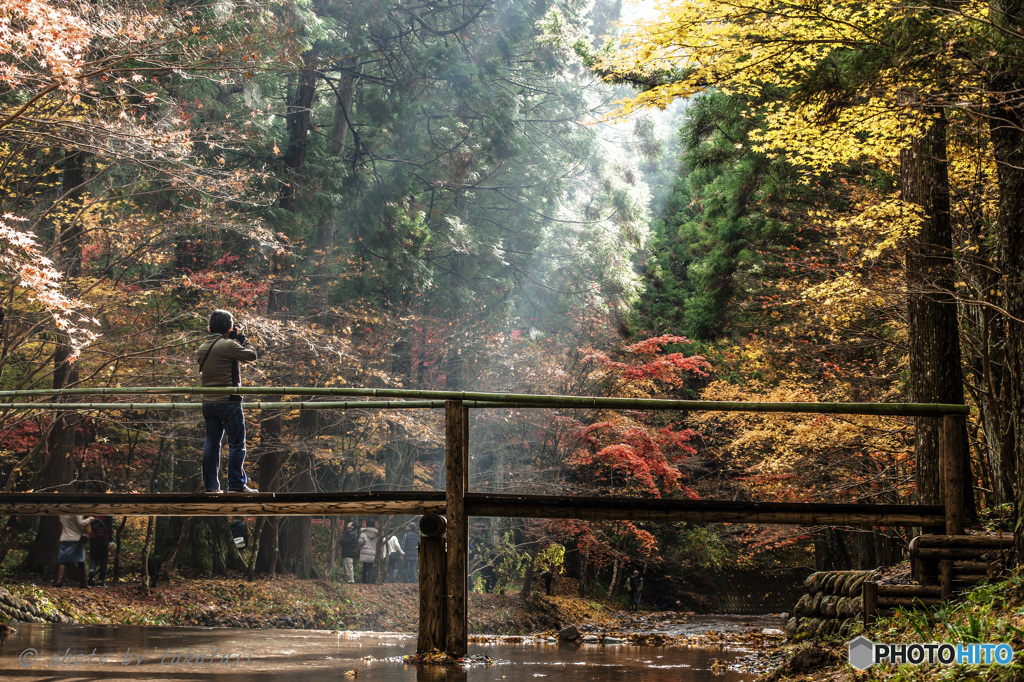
(14, 609)
(832, 602)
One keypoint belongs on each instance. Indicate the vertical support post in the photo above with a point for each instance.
(870, 601)
(946, 578)
(952, 458)
(456, 457)
(433, 606)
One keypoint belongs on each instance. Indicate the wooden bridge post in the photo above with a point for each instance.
(952, 457)
(456, 458)
(433, 605)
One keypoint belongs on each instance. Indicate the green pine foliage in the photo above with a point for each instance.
(728, 222)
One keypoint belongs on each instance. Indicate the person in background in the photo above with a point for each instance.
(349, 551)
(74, 530)
(219, 357)
(392, 551)
(547, 576)
(367, 547)
(239, 533)
(489, 574)
(101, 543)
(636, 586)
(411, 547)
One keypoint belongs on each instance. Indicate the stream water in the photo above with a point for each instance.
(102, 652)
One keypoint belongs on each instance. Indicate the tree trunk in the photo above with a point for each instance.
(147, 553)
(297, 545)
(328, 230)
(58, 469)
(528, 578)
(936, 375)
(337, 528)
(400, 456)
(830, 552)
(1006, 125)
(615, 578)
(117, 548)
(297, 121)
(270, 476)
(171, 565)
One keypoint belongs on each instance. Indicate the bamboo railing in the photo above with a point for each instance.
(436, 399)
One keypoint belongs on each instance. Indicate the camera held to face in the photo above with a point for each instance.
(237, 335)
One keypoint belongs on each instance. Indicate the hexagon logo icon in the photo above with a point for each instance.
(862, 653)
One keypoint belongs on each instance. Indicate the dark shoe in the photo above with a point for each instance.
(243, 489)
(213, 492)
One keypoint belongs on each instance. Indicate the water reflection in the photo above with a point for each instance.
(94, 652)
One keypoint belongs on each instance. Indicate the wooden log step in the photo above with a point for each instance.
(908, 601)
(908, 590)
(970, 578)
(954, 553)
(994, 540)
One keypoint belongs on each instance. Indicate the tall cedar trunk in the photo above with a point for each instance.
(269, 478)
(328, 230)
(297, 543)
(933, 333)
(58, 469)
(269, 466)
(297, 122)
(1007, 130)
(400, 455)
(830, 551)
(984, 324)
(993, 408)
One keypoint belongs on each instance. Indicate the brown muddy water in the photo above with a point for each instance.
(107, 652)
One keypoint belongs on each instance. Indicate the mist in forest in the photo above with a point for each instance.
(385, 195)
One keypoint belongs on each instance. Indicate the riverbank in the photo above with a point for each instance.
(285, 602)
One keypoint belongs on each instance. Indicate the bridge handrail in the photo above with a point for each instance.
(470, 399)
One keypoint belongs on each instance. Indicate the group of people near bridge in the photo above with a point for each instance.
(77, 533)
(399, 553)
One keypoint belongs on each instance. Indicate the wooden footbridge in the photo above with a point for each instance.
(443, 622)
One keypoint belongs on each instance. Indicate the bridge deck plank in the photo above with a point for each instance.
(477, 504)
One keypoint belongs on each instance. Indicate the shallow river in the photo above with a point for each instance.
(94, 652)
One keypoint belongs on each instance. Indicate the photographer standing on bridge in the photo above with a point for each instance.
(219, 359)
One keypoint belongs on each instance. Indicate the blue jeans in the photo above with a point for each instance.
(224, 418)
